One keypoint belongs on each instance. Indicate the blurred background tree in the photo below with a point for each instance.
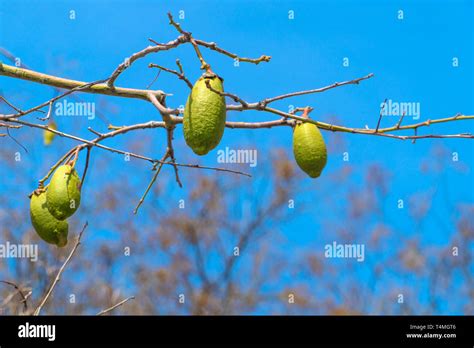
(182, 260)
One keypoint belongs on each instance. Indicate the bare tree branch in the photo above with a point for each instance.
(122, 130)
(259, 106)
(30, 75)
(143, 53)
(190, 39)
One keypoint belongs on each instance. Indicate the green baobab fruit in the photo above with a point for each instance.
(204, 115)
(50, 229)
(64, 192)
(48, 136)
(309, 149)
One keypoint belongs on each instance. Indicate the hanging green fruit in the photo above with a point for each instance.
(50, 229)
(48, 136)
(64, 192)
(204, 115)
(309, 148)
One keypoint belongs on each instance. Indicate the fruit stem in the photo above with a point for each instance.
(38, 190)
(72, 161)
(306, 111)
(66, 158)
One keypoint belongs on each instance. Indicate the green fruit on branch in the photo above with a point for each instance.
(48, 136)
(64, 192)
(50, 229)
(309, 148)
(204, 115)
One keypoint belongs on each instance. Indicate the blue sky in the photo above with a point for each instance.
(411, 59)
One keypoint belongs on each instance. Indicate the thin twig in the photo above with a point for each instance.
(190, 39)
(380, 115)
(180, 66)
(86, 166)
(61, 270)
(23, 297)
(170, 126)
(48, 115)
(155, 42)
(143, 53)
(110, 309)
(170, 150)
(180, 75)
(6, 125)
(154, 80)
(400, 120)
(90, 129)
(10, 104)
(317, 90)
(150, 185)
(236, 98)
(213, 46)
(16, 141)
